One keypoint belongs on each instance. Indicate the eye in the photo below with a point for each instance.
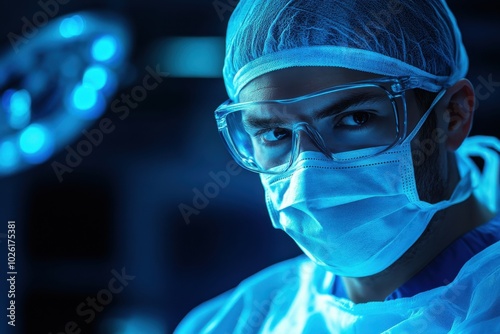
(274, 135)
(355, 119)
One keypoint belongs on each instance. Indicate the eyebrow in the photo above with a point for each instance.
(263, 123)
(348, 102)
(330, 110)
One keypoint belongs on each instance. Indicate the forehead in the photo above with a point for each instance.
(297, 81)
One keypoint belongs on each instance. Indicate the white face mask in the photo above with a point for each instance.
(355, 218)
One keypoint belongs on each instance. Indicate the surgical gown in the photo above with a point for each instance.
(458, 292)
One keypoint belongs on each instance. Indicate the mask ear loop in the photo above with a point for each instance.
(424, 117)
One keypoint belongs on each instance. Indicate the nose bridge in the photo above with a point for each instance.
(309, 139)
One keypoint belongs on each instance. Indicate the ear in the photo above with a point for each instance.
(459, 105)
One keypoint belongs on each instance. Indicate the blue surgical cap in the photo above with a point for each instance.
(384, 37)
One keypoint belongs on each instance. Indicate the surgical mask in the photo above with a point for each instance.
(356, 218)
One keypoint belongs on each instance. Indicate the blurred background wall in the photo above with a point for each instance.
(153, 218)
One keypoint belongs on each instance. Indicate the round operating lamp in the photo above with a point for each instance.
(54, 83)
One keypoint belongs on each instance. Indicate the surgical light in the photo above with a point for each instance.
(84, 97)
(104, 48)
(9, 155)
(72, 26)
(33, 139)
(36, 143)
(53, 87)
(95, 76)
(19, 109)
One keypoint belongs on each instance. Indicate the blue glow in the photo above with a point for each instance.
(20, 109)
(4, 75)
(72, 26)
(33, 139)
(84, 97)
(86, 102)
(36, 81)
(7, 95)
(8, 155)
(95, 76)
(36, 143)
(197, 57)
(71, 66)
(104, 48)
(53, 87)
(140, 325)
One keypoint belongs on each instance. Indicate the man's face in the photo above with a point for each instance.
(298, 81)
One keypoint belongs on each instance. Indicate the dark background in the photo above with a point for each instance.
(120, 207)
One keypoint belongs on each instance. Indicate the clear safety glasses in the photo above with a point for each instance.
(267, 136)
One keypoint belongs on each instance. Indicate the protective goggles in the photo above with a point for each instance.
(267, 136)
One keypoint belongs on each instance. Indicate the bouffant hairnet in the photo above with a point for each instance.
(384, 37)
